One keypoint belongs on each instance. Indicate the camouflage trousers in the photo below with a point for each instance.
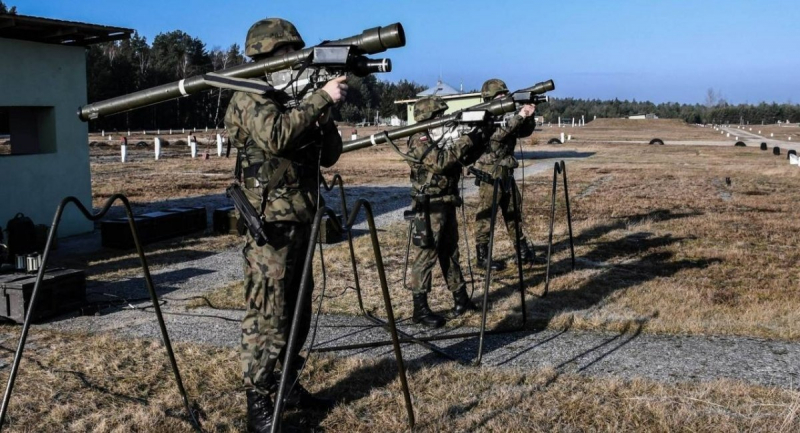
(444, 248)
(271, 284)
(505, 205)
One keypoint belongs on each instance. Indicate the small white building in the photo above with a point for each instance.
(643, 116)
(44, 155)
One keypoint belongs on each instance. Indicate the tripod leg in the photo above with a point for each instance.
(550, 237)
(488, 282)
(569, 214)
(518, 226)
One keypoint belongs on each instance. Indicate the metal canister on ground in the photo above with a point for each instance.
(32, 262)
(19, 262)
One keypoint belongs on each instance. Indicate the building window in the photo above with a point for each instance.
(27, 130)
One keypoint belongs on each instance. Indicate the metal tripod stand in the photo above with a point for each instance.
(148, 282)
(305, 287)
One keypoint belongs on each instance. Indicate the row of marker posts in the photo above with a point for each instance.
(771, 134)
(158, 131)
(580, 123)
(192, 143)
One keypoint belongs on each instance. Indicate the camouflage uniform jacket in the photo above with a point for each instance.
(500, 151)
(267, 133)
(435, 169)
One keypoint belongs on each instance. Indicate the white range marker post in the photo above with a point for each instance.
(562, 137)
(573, 122)
(569, 137)
(129, 133)
(206, 128)
(123, 149)
(559, 121)
(354, 135)
(183, 130)
(103, 133)
(583, 121)
(219, 145)
(771, 134)
(193, 146)
(157, 145)
(170, 131)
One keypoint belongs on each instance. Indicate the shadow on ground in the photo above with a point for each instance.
(651, 263)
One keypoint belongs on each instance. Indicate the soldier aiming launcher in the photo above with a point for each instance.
(529, 95)
(475, 114)
(301, 70)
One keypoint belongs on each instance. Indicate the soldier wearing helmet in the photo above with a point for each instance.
(280, 150)
(498, 160)
(436, 157)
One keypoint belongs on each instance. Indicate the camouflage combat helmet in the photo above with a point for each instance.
(492, 87)
(428, 107)
(271, 33)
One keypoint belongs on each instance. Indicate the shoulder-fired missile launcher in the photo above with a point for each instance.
(326, 60)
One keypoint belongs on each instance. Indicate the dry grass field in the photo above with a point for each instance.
(177, 175)
(105, 384)
(605, 130)
(662, 242)
(782, 132)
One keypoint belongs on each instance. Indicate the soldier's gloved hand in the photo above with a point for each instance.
(527, 110)
(336, 88)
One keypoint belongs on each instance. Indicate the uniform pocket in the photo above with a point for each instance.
(421, 235)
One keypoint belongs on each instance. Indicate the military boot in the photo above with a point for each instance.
(301, 398)
(259, 412)
(482, 250)
(423, 313)
(526, 253)
(462, 303)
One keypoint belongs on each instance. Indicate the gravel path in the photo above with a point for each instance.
(628, 355)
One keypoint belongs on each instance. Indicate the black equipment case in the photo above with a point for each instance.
(62, 291)
(153, 226)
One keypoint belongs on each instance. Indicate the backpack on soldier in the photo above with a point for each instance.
(21, 235)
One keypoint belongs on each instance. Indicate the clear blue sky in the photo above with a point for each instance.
(626, 49)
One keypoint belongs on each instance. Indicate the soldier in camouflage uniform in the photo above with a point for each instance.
(436, 158)
(498, 160)
(281, 150)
